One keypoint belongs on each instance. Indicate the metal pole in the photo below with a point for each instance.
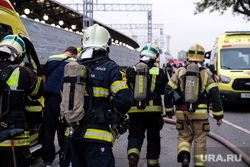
(149, 26)
(83, 15)
(168, 37)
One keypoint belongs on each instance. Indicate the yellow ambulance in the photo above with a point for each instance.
(230, 62)
(10, 23)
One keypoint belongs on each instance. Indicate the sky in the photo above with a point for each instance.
(179, 22)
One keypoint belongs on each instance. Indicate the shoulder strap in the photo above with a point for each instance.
(57, 65)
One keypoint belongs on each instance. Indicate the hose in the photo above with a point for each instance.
(223, 141)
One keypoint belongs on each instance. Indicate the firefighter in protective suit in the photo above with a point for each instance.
(193, 126)
(145, 115)
(110, 92)
(14, 132)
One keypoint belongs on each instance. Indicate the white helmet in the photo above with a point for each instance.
(150, 52)
(12, 48)
(96, 36)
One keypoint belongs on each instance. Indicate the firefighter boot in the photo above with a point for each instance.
(185, 162)
(132, 161)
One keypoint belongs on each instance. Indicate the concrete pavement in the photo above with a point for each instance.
(168, 152)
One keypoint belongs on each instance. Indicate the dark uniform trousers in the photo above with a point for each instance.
(7, 156)
(150, 122)
(87, 153)
(51, 125)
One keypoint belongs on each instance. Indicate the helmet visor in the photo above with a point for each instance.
(9, 52)
(146, 58)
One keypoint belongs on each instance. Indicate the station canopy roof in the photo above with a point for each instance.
(55, 12)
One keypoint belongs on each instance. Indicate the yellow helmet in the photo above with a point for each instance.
(12, 47)
(150, 52)
(196, 53)
(96, 36)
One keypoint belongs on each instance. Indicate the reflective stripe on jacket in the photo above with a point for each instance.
(98, 134)
(21, 140)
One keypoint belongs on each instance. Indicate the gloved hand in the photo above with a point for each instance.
(123, 126)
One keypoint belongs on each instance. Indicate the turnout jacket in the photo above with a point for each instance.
(23, 82)
(157, 80)
(107, 80)
(209, 94)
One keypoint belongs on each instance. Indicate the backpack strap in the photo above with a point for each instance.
(57, 65)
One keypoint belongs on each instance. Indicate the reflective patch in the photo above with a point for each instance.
(102, 149)
(123, 76)
(100, 68)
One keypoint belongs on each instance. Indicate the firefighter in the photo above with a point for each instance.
(14, 151)
(93, 148)
(193, 126)
(145, 115)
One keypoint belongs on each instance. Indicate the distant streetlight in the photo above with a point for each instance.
(61, 22)
(45, 17)
(27, 11)
(73, 27)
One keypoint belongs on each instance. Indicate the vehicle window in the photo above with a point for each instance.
(235, 58)
(5, 30)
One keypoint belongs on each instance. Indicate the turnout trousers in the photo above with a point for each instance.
(90, 154)
(200, 130)
(151, 123)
